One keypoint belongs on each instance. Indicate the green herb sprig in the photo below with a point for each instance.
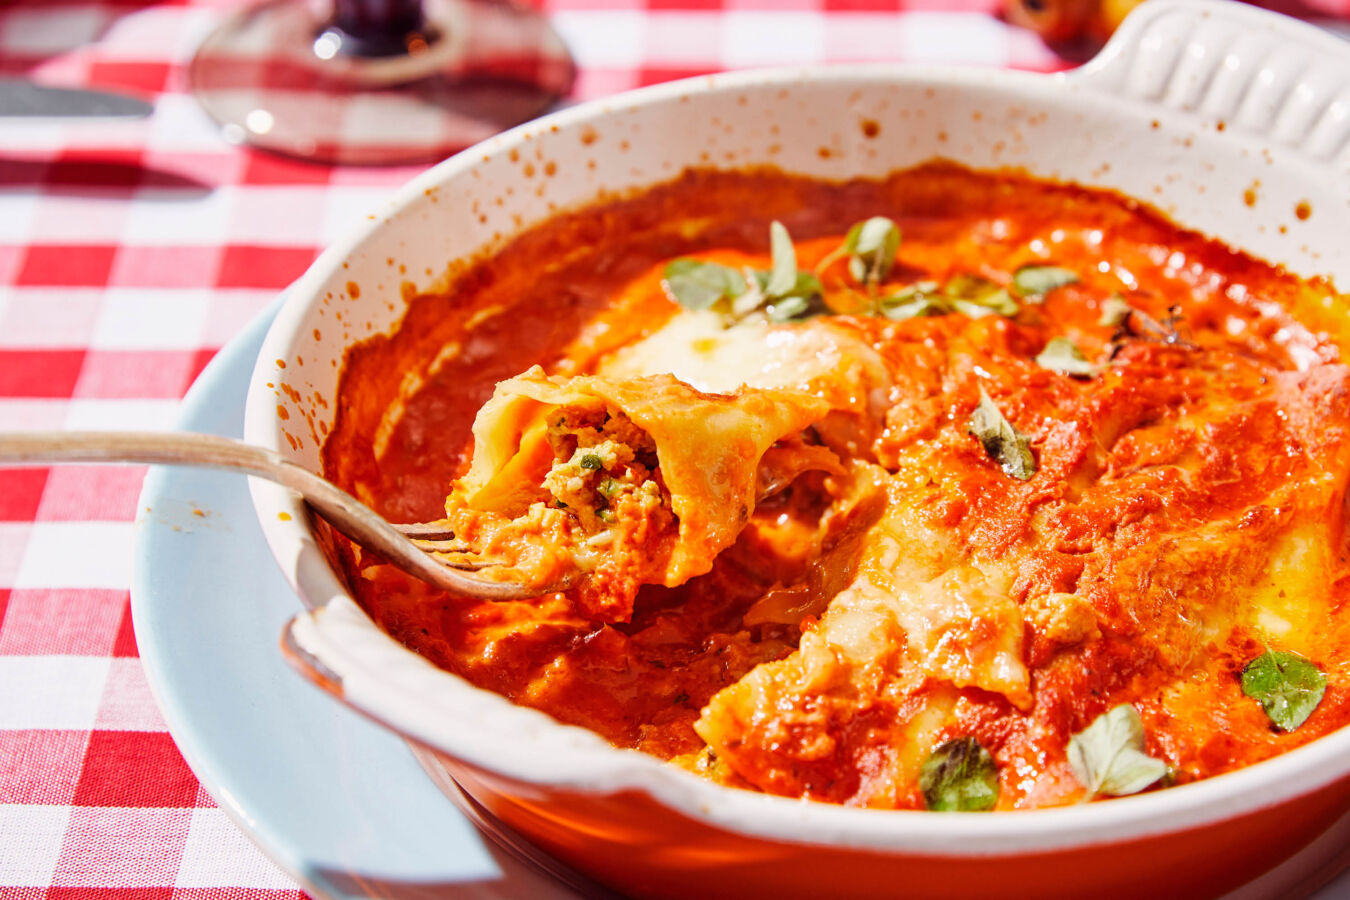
(970, 295)
(789, 293)
(872, 246)
(784, 293)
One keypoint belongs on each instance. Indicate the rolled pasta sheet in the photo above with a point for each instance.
(606, 484)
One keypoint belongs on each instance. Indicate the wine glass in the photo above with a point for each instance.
(372, 82)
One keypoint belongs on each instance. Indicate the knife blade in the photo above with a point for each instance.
(24, 99)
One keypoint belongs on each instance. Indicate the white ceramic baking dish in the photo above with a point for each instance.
(1232, 121)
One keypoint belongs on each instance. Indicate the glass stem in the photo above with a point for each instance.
(377, 27)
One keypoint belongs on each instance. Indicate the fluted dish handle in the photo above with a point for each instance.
(1236, 67)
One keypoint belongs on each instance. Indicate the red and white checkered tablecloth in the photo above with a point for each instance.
(129, 253)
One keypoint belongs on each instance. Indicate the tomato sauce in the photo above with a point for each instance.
(1202, 469)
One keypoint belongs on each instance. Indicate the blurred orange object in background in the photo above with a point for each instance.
(1064, 20)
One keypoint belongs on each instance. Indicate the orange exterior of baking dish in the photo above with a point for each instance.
(643, 849)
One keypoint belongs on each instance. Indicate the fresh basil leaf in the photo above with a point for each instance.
(1287, 686)
(695, 284)
(1115, 311)
(783, 269)
(959, 776)
(1034, 282)
(872, 245)
(1108, 756)
(1004, 443)
(1062, 355)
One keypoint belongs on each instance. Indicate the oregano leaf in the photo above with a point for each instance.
(971, 310)
(1115, 311)
(783, 268)
(1287, 686)
(695, 284)
(787, 309)
(1062, 355)
(1002, 305)
(976, 297)
(872, 246)
(1001, 302)
(963, 284)
(1034, 282)
(959, 776)
(1010, 448)
(1108, 756)
(911, 301)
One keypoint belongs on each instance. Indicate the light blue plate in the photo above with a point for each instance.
(335, 801)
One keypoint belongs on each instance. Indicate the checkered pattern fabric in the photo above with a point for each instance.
(129, 253)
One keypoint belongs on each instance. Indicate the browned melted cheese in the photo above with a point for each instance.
(1186, 513)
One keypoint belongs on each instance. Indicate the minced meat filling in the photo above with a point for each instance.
(600, 459)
